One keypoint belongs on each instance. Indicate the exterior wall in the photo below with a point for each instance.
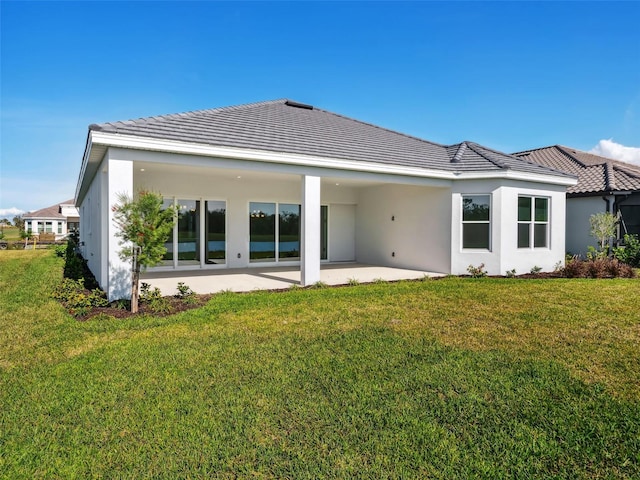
(342, 233)
(98, 243)
(578, 227)
(504, 254)
(91, 232)
(404, 226)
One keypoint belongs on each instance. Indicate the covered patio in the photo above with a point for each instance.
(274, 278)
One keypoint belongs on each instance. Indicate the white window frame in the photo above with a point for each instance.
(464, 222)
(533, 222)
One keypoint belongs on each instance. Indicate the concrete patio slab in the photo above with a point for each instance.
(274, 278)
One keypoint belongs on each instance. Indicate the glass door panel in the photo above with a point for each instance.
(215, 226)
(167, 258)
(324, 231)
(262, 232)
(288, 232)
(189, 232)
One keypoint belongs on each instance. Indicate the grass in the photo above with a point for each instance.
(11, 234)
(455, 378)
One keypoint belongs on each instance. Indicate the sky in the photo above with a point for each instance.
(508, 75)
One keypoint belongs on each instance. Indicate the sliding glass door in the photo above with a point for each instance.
(215, 228)
(288, 232)
(193, 234)
(262, 232)
(188, 232)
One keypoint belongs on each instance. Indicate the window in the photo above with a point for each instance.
(476, 221)
(48, 227)
(59, 227)
(533, 222)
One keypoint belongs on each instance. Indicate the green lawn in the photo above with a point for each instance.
(454, 378)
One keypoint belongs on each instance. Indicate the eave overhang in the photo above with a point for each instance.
(99, 142)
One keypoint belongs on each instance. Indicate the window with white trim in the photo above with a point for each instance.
(476, 221)
(533, 222)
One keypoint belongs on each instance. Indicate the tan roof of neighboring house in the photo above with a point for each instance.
(49, 212)
(596, 174)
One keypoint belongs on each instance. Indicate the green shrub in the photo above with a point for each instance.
(152, 297)
(630, 252)
(60, 250)
(186, 294)
(511, 273)
(77, 299)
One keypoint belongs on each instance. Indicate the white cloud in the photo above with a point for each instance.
(611, 149)
(10, 212)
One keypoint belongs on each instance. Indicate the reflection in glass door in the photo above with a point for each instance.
(324, 234)
(288, 232)
(189, 232)
(262, 232)
(215, 225)
(167, 258)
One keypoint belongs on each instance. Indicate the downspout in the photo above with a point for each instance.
(609, 201)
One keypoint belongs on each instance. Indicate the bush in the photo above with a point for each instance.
(630, 252)
(152, 297)
(597, 268)
(477, 272)
(77, 299)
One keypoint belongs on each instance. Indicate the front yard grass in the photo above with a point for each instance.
(454, 378)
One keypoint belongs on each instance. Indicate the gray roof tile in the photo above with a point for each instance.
(288, 127)
(596, 174)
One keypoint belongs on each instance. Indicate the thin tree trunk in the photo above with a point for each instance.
(135, 280)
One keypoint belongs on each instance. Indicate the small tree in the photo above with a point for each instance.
(18, 222)
(603, 227)
(144, 226)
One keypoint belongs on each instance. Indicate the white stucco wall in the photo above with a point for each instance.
(504, 254)
(92, 234)
(342, 233)
(404, 226)
(578, 227)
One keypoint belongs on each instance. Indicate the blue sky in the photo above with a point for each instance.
(511, 76)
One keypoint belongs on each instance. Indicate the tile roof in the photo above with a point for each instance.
(285, 126)
(49, 212)
(596, 174)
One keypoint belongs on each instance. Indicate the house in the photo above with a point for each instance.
(284, 183)
(59, 220)
(604, 185)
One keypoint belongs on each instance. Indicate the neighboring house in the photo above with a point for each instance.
(59, 219)
(283, 183)
(604, 185)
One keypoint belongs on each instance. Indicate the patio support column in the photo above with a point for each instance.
(310, 241)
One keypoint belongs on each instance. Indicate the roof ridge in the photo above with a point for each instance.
(189, 113)
(457, 158)
(562, 150)
(497, 163)
(610, 176)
